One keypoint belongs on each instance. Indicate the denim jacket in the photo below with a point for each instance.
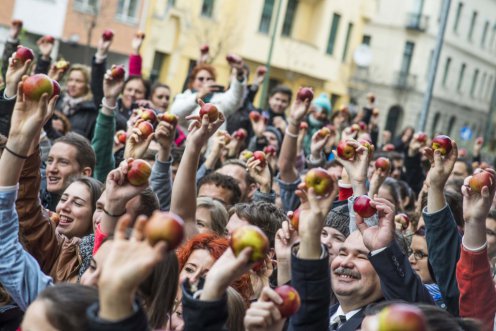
(20, 273)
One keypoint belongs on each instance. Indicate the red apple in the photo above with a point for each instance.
(208, 109)
(345, 150)
(324, 132)
(48, 39)
(148, 115)
(56, 88)
(62, 64)
(362, 125)
(388, 148)
(479, 141)
(383, 163)
(233, 58)
(269, 150)
(401, 317)
(17, 22)
(481, 179)
(261, 70)
(246, 155)
(260, 156)
(146, 128)
(169, 118)
(121, 136)
(240, 134)
(367, 144)
(118, 72)
(290, 300)
(320, 180)
(462, 152)
(108, 34)
(165, 226)
(303, 126)
(250, 236)
(23, 54)
(204, 49)
(255, 116)
(305, 93)
(140, 34)
(402, 221)
(35, 86)
(355, 128)
(443, 144)
(421, 137)
(294, 218)
(362, 207)
(138, 171)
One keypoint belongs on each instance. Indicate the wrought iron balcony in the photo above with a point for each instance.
(404, 80)
(417, 22)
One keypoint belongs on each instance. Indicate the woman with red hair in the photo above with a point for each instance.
(196, 257)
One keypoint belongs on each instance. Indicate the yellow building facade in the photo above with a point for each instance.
(313, 44)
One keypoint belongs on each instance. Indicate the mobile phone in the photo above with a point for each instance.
(218, 88)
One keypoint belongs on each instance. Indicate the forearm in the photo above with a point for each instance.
(102, 143)
(115, 304)
(283, 271)
(474, 233)
(43, 65)
(161, 181)
(287, 157)
(435, 199)
(98, 69)
(359, 187)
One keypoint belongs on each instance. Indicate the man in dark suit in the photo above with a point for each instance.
(370, 267)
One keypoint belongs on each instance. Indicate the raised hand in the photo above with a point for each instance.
(103, 47)
(137, 144)
(111, 88)
(15, 71)
(45, 47)
(136, 43)
(441, 167)
(357, 167)
(164, 134)
(381, 235)
(201, 129)
(286, 236)
(261, 175)
(378, 177)
(263, 314)
(317, 145)
(299, 110)
(128, 263)
(57, 73)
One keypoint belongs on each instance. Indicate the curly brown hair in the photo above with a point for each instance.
(197, 69)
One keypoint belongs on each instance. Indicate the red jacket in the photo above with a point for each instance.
(134, 65)
(477, 291)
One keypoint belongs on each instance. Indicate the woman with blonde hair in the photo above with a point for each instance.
(211, 216)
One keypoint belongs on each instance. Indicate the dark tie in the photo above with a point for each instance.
(337, 322)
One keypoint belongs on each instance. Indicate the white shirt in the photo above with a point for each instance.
(339, 311)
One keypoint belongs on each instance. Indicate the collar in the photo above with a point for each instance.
(348, 315)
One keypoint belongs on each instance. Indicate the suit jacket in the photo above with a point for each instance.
(353, 323)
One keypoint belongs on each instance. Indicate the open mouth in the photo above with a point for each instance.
(52, 180)
(65, 220)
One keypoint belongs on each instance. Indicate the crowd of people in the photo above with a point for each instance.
(74, 253)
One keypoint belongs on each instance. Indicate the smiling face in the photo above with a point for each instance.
(354, 280)
(74, 209)
(61, 166)
(133, 90)
(161, 98)
(76, 84)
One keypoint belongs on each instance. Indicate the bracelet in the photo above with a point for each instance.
(112, 215)
(292, 135)
(15, 154)
(104, 104)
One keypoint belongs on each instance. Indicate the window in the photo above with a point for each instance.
(460, 77)
(334, 32)
(366, 39)
(127, 10)
(435, 122)
(493, 38)
(407, 57)
(484, 34)
(472, 25)
(347, 41)
(482, 85)
(429, 64)
(158, 62)
(459, 10)
(89, 6)
(451, 125)
(446, 70)
(487, 95)
(207, 8)
(287, 26)
(267, 10)
(171, 3)
(474, 82)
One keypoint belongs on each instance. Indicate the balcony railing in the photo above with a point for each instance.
(417, 22)
(404, 80)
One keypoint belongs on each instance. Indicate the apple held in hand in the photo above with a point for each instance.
(363, 126)
(305, 93)
(479, 141)
(48, 39)
(138, 172)
(320, 180)
(368, 145)
(481, 179)
(261, 70)
(255, 116)
(118, 72)
(324, 132)
(56, 88)
(402, 221)
(401, 317)
(121, 136)
(246, 155)
(240, 134)
(383, 163)
(250, 236)
(233, 59)
(208, 109)
(62, 65)
(290, 300)
(421, 137)
(204, 49)
(362, 206)
(269, 150)
(35, 86)
(303, 126)
(345, 150)
(169, 118)
(149, 115)
(140, 34)
(23, 54)
(294, 218)
(388, 148)
(146, 128)
(443, 144)
(165, 226)
(260, 156)
(108, 34)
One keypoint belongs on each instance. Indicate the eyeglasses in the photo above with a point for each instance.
(417, 255)
(201, 79)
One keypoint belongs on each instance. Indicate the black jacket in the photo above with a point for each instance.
(82, 121)
(9, 48)
(6, 109)
(138, 321)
